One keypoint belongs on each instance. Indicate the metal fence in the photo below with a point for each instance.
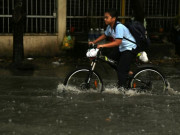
(161, 14)
(40, 16)
(83, 14)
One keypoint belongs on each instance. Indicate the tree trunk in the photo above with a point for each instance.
(18, 31)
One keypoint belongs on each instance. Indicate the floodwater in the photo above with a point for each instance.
(35, 105)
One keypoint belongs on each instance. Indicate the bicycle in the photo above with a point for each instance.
(145, 78)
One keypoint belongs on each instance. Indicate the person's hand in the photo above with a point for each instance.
(91, 43)
(100, 46)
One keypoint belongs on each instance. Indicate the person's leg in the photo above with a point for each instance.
(114, 55)
(124, 66)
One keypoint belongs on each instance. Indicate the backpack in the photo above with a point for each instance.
(139, 33)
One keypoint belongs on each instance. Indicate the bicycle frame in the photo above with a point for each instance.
(94, 62)
(114, 63)
(134, 80)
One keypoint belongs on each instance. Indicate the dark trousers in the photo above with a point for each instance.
(124, 60)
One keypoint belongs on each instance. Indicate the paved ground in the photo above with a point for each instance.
(60, 66)
(31, 103)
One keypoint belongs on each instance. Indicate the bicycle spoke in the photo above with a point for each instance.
(149, 80)
(81, 80)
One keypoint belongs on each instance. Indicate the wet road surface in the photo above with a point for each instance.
(34, 105)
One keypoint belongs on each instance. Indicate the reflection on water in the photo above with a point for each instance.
(35, 106)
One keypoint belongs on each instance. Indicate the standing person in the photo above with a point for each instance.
(123, 51)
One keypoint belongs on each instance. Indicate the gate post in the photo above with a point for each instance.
(123, 5)
(61, 20)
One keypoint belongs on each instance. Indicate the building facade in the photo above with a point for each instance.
(48, 20)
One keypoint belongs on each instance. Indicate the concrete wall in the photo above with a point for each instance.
(37, 45)
(41, 45)
(6, 46)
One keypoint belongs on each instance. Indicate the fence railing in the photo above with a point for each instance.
(83, 14)
(40, 16)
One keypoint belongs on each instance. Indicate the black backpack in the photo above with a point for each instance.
(139, 33)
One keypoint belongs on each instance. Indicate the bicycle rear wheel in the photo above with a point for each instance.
(150, 80)
(77, 81)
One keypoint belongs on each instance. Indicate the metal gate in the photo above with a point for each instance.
(161, 14)
(41, 16)
(83, 14)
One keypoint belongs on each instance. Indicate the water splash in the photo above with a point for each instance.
(61, 88)
(126, 92)
(170, 90)
(72, 89)
(110, 89)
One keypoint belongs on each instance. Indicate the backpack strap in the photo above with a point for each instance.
(130, 40)
(124, 37)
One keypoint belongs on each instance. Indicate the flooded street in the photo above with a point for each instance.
(35, 105)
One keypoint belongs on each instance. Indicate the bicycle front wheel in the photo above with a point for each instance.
(77, 81)
(150, 80)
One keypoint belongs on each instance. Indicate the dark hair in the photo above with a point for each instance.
(112, 12)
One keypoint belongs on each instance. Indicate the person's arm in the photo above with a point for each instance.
(115, 43)
(103, 36)
(118, 38)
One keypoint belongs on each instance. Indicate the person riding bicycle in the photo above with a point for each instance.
(124, 50)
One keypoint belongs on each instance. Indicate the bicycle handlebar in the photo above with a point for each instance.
(93, 46)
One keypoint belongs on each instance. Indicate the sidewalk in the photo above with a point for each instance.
(162, 54)
(60, 66)
(49, 72)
